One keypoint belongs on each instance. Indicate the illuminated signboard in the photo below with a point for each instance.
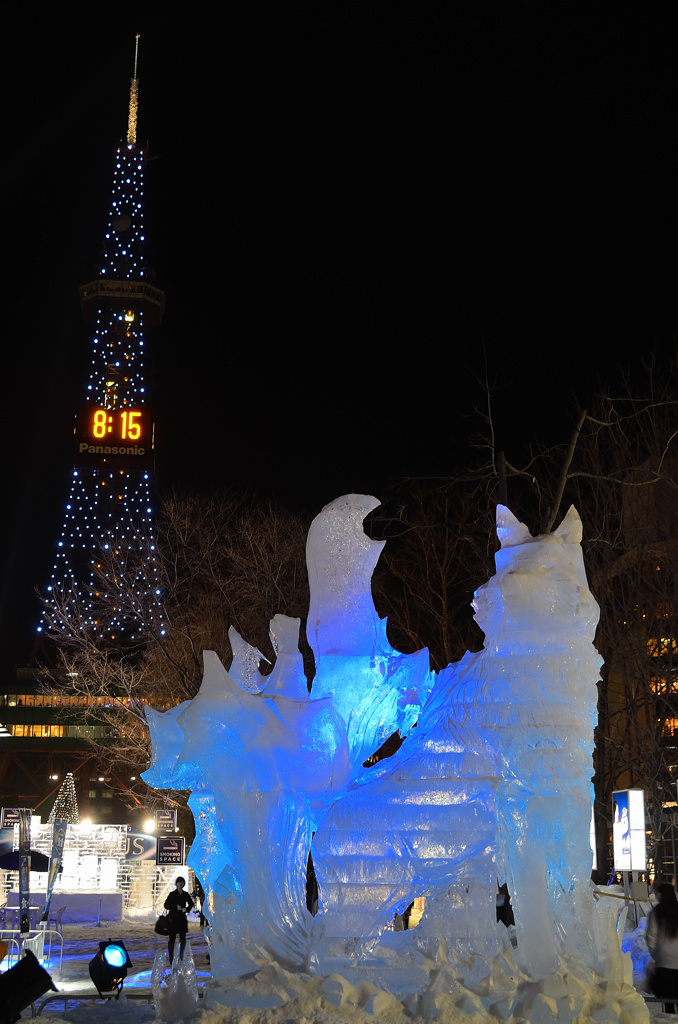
(628, 830)
(140, 846)
(165, 821)
(6, 840)
(114, 435)
(10, 816)
(170, 850)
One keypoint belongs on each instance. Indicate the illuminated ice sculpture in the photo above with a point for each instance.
(492, 782)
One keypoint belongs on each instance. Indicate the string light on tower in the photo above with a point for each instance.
(106, 551)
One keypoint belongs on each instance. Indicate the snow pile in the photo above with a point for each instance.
(456, 994)
(470, 992)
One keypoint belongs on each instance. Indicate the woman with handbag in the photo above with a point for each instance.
(662, 942)
(178, 903)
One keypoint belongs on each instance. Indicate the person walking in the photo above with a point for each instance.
(662, 942)
(178, 903)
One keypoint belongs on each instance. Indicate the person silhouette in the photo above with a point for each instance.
(662, 942)
(178, 903)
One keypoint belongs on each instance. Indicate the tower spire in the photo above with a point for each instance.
(133, 101)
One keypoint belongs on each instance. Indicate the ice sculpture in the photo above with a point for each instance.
(498, 784)
(174, 986)
(264, 764)
(492, 782)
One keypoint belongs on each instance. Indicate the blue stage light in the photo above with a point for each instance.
(108, 969)
(22, 985)
(115, 956)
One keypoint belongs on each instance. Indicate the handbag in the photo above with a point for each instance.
(162, 925)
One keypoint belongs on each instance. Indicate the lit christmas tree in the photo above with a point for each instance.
(66, 803)
(104, 580)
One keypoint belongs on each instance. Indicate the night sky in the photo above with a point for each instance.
(350, 208)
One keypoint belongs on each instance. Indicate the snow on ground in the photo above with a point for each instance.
(81, 943)
(309, 1007)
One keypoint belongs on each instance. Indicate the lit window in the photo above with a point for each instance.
(660, 646)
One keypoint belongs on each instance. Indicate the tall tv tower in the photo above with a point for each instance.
(104, 572)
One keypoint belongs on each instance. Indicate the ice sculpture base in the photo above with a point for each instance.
(174, 986)
(477, 991)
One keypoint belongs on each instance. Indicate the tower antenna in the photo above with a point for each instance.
(133, 101)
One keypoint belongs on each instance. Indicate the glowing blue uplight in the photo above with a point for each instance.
(115, 956)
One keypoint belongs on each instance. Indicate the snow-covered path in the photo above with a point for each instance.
(81, 943)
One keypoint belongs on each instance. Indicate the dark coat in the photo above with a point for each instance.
(178, 904)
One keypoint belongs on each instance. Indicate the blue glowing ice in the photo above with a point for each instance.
(492, 782)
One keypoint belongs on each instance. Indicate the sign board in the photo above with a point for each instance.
(628, 830)
(170, 850)
(24, 866)
(120, 437)
(140, 846)
(6, 840)
(59, 828)
(165, 821)
(11, 816)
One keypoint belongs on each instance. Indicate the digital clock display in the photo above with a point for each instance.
(118, 424)
(113, 433)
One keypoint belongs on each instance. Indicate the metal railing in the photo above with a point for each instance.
(33, 940)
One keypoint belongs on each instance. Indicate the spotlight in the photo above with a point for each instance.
(21, 986)
(108, 969)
